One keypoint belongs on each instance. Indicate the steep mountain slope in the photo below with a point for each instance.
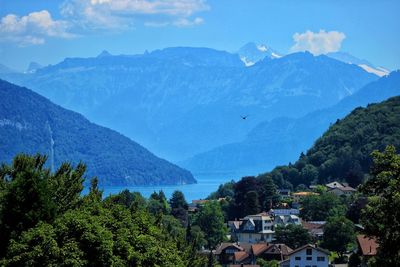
(343, 152)
(281, 140)
(29, 123)
(182, 101)
(367, 66)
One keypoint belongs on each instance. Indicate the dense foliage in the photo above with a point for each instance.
(381, 215)
(342, 153)
(338, 233)
(45, 221)
(30, 123)
(292, 235)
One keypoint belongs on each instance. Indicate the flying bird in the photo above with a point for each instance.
(244, 117)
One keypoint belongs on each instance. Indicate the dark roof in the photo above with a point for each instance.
(367, 245)
(224, 246)
(285, 250)
(309, 246)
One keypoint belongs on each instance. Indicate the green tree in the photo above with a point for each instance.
(26, 197)
(320, 207)
(354, 260)
(338, 233)
(271, 197)
(292, 235)
(265, 263)
(381, 215)
(210, 219)
(251, 204)
(179, 207)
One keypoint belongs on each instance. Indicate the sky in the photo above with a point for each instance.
(46, 31)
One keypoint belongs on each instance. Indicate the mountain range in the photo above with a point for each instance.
(281, 140)
(30, 123)
(182, 101)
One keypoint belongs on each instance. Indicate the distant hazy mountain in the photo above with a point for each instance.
(182, 101)
(6, 70)
(33, 67)
(367, 66)
(29, 123)
(251, 53)
(281, 140)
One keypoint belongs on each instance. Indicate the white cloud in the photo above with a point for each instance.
(32, 29)
(184, 22)
(122, 14)
(321, 42)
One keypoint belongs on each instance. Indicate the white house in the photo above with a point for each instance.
(256, 228)
(345, 190)
(307, 256)
(334, 184)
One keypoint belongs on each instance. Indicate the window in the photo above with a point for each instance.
(309, 258)
(297, 258)
(320, 258)
(309, 251)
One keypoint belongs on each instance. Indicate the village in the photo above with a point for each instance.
(255, 240)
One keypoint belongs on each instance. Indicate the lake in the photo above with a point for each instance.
(206, 184)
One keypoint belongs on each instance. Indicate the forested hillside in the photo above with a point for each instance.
(343, 152)
(29, 123)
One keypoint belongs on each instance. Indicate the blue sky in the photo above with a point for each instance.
(48, 31)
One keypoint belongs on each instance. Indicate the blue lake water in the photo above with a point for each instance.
(206, 184)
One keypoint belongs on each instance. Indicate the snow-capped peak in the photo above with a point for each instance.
(251, 53)
(362, 63)
(262, 48)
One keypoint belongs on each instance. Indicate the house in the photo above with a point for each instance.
(269, 252)
(307, 256)
(284, 220)
(315, 228)
(283, 193)
(334, 184)
(298, 196)
(256, 228)
(247, 253)
(367, 248)
(225, 252)
(344, 190)
(278, 212)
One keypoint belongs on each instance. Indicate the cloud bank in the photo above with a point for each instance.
(122, 14)
(317, 43)
(86, 16)
(33, 28)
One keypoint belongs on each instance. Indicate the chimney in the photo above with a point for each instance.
(370, 249)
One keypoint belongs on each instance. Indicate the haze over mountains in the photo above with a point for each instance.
(29, 123)
(181, 101)
(281, 140)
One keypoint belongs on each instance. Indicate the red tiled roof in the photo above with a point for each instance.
(240, 256)
(368, 245)
(259, 248)
(310, 226)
